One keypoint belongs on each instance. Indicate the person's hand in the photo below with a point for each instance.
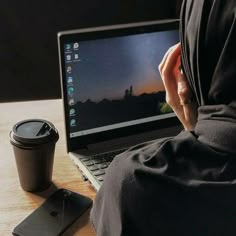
(178, 93)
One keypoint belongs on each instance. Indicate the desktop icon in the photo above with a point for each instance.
(68, 46)
(76, 56)
(72, 111)
(72, 122)
(68, 69)
(71, 101)
(68, 57)
(69, 80)
(76, 45)
(70, 91)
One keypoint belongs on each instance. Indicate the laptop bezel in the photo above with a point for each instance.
(70, 36)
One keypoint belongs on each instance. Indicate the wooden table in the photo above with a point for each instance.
(16, 204)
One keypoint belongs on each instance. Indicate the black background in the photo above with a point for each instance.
(28, 40)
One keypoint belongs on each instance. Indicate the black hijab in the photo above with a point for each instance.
(208, 38)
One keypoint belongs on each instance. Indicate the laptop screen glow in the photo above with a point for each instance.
(115, 82)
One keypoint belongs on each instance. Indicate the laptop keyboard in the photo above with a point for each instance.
(98, 164)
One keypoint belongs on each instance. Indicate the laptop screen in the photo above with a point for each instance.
(113, 82)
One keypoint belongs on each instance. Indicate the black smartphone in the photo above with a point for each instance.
(55, 215)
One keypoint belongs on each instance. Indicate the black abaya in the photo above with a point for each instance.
(185, 185)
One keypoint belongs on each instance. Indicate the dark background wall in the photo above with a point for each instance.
(28, 39)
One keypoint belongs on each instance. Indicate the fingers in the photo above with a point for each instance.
(168, 73)
(169, 69)
(178, 92)
(169, 59)
(167, 53)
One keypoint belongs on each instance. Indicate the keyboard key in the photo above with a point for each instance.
(100, 178)
(83, 159)
(102, 166)
(88, 163)
(98, 172)
(98, 160)
(93, 167)
(108, 158)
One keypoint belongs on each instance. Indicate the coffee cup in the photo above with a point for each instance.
(33, 143)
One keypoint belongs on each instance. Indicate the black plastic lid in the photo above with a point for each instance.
(34, 131)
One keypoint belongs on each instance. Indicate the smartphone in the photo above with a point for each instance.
(55, 215)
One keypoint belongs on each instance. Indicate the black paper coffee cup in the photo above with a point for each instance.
(34, 145)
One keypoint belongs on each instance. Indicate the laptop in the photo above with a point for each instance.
(113, 95)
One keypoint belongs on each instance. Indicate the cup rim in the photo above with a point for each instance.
(21, 141)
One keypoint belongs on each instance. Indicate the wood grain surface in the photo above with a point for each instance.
(15, 203)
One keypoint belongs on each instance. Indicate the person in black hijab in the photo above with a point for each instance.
(184, 185)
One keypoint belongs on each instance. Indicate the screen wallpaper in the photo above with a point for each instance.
(115, 82)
